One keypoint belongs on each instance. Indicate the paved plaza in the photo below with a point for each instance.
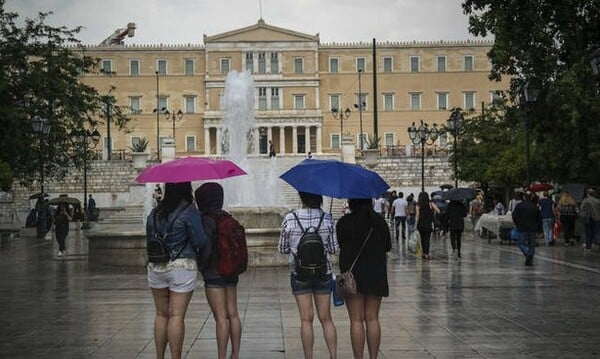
(485, 305)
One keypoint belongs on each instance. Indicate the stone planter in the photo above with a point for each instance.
(371, 156)
(139, 159)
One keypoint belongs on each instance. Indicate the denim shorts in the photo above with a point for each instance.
(178, 280)
(320, 285)
(221, 282)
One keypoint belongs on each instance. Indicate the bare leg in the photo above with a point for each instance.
(161, 303)
(178, 303)
(218, 305)
(372, 306)
(235, 325)
(356, 311)
(305, 306)
(323, 303)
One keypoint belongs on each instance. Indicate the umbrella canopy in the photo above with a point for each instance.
(335, 179)
(189, 169)
(39, 195)
(459, 194)
(446, 186)
(540, 187)
(65, 200)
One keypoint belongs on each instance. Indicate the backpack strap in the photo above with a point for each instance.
(316, 228)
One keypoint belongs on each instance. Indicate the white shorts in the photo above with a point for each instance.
(178, 280)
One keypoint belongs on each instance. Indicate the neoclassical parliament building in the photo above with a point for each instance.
(298, 82)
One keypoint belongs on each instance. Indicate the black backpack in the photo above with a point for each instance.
(157, 249)
(310, 259)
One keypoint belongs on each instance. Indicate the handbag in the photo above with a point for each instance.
(345, 284)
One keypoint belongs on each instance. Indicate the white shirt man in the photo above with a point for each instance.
(380, 205)
(399, 210)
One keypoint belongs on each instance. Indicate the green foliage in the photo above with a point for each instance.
(552, 41)
(40, 69)
(140, 146)
(373, 142)
(6, 176)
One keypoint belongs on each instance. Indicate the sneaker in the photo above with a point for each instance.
(59, 254)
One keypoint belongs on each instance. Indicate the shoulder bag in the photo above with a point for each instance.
(345, 285)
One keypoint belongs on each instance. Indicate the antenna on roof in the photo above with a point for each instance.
(260, 9)
(119, 35)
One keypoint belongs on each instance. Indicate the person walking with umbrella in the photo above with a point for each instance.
(172, 280)
(305, 287)
(456, 213)
(363, 228)
(61, 227)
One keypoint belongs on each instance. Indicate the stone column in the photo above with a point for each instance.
(206, 141)
(282, 140)
(256, 141)
(269, 134)
(306, 139)
(294, 139)
(218, 144)
(319, 140)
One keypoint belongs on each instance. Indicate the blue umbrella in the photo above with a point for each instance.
(335, 179)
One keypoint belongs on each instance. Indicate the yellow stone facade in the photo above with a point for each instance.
(298, 81)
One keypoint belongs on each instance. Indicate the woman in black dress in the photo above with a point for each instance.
(61, 227)
(370, 271)
(424, 221)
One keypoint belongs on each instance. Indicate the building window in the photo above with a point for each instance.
(387, 64)
(415, 101)
(161, 67)
(224, 64)
(107, 67)
(468, 63)
(496, 97)
(189, 67)
(299, 102)
(163, 103)
(262, 98)
(469, 100)
(298, 65)
(249, 62)
(262, 63)
(275, 98)
(190, 143)
(334, 102)
(388, 102)
(274, 63)
(333, 65)
(442, 100)
(135, 105)
(134, 67)
(441, 63)
(190, 104)
(389, 139)
(414, 64)
(360, 64)
(335, 141)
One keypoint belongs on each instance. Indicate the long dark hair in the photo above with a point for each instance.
(175, 193)
(209, 197)
(423, 200)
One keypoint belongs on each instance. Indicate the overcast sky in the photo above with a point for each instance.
(185, 21)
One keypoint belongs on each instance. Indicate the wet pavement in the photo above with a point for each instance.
(485, 305)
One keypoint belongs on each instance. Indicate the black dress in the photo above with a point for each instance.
(370, 270)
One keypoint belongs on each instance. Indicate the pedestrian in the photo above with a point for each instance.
(411, 212)
(271, 149)
(173, 283)
(380, 205)
(547, 209)
(77, 216)
(517, 198)
(399, 212)
(61, 228)
(158, 195)
(91, 209)
(567, 209)
(424, 221)
(456, 213)
(317, 288)
(499, 209)
(527, 219)
(476, 210)
(391, 198)
(370, 272)
(221, 292)
(590, 216)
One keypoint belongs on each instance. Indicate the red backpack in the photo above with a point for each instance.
(230, 248)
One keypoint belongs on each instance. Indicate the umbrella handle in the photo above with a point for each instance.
(330, 204)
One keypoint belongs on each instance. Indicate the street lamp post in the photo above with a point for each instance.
(360, 106)
(173, 117)
(422, 135)
(455, 123)
(157, 119)
(108, 139)
(41, 126)
(341, 115)
(531, 91)
(82, 137)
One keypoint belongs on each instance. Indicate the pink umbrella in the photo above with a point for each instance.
(189, 169)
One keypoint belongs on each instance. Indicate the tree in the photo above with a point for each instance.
(40, 70)
(549, 40)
